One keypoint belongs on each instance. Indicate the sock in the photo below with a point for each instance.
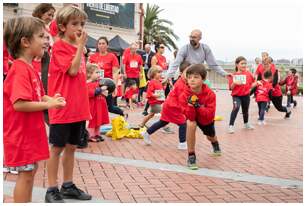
(67, 184)
(51, 189)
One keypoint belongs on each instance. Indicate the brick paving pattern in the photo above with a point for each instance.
(273, 150)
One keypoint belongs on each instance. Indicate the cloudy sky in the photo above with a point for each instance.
(234, 28)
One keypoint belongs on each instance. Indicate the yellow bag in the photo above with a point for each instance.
(135, 133)
(142, 80)
(119, 128)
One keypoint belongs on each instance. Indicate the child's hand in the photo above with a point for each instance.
(288, 93)
(105, 92)
(259, 83)
(104, 88)
(82, 39)
(57, 101)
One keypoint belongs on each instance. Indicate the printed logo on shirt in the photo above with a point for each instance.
(134, 64)
(160, 94)
(241, 78)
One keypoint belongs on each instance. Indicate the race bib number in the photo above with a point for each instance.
(160, 94)
(134, 64)
(240, 79)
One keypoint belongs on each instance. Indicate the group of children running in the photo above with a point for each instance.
(75, 96)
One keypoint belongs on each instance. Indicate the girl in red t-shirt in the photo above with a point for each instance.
(155, 93)
(24, 133)
(97, 103)
(240, 83)
(131, 94)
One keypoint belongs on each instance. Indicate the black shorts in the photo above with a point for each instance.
(69, 133)
(208, 130)
(130, 80)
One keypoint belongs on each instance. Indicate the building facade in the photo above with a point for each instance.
(96, 25)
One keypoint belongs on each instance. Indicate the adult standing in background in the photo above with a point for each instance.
(195, 53)
(146, 58)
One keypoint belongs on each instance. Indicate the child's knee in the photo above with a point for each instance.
(56, 151)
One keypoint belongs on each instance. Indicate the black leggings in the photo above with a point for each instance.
(111, 106)
(277, 102)
(244, 101)
(290, 100)
(159, 124)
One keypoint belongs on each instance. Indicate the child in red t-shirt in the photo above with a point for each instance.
(155, 94)
(291, 82)
(240, 83)
(172, 111)
(263, 92)
(68, 77)
(131, 94)
(199, 105)
(97, 103)
(24, 133)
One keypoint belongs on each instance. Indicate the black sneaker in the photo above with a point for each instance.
(54, 197)
(192, 162)
(216, 148)
(73, 192)
(100, 138)
(294, 104)
(145, 113)
(287, 116)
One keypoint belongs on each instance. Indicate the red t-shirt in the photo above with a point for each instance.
(105, 62)
(243, 89)
(161, 61)
(260, 71)
(262, 91)
(98, 107)
(132, 65)
(172, 111)
(205, 114)
(73, 88)
(129, 92)
(24, 133)
(53, 30)
(291, 84)
(155, 87)
(37, 66)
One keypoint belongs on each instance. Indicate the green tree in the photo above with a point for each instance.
(158, 30)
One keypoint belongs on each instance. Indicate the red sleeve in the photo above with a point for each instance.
(115, 62)
(188, 111)
(53, 28)
(150, 89)
(258, 70)
(21, 86)
(209, 108)
(92, 58)
(62, 58)
(230, 82)
(91, 88)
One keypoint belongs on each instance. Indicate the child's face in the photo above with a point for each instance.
(48, 16)
(74, 27)
(158, 74)
(38, 43)
(241, 65)
(194, 81)
(95, 75)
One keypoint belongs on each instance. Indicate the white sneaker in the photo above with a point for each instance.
(182, 146)
(167, 130)
(248, 126)
(146, 137)
(261, 122)
(6, 170)
(14, 172)
(231, 129)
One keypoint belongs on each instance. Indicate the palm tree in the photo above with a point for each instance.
(158, 30)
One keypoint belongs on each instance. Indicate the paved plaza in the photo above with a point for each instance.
(260, 165)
